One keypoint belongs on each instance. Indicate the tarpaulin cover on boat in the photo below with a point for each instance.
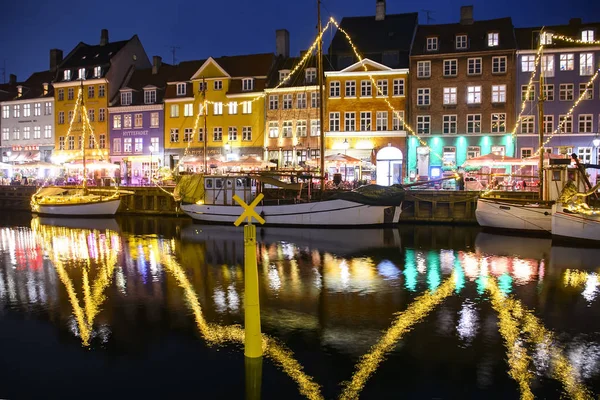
(374, 195)
(190, 188)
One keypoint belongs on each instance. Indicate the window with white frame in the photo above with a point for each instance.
(26, 110)
(5, 133)
(350, 89)
(493, 39)
(423, 124)
(61, 94)
(398, 120)
(81, 74)
(286, 129)
(585, 123)
(232, 133)
(47, 131)
(528, 124)
(246, 107)
(247, 133)
(586, 64)
(398, 87)
(548, 123)
(381, 121)
(423, 69)
(449, 156)
(247, 84)
(311, 75)
(102, 141)
(97, 72)
(334, 121)
(432, 43)
(70, 116)
(474, 66)
(217, 134)
(37, 132)
(188, 110)
(589, 91)
(101, 90)
(91, 114)
(273, 129)
(273, 102)
(301, 128)
(450, 67)
(284, 73)
(473, 152)
(138, 121)
(101, 114)
(450, 97)
(218, 108)
(567, 62)
(288, 157)
(498, 93)
(314, 100)
(67, 75)
(71, 142)
(301, 100)
(116, 147)
(565, 124)
(47, 108)
(587, 35)
(287, 101)
(584, 154)
(127, 145)
(116, 122)
(334, 89)
(16, 111)
(473, 123)
(350, 121)
(127, 121)
(37, 109)
(461, 42)
(315, 127)
(526, 152)
(473, 94)
(138, 145)
(545, 38)
(548, 65)
(450, 125)
(150, 96)
(382, 87)
(548, 92)
(565, 92)
(61, 117)
(365, 121)
(498, 122)
(232, 106)
(366, 89)
(527, 93)
(174, 110)
(181, 89)
(27, 133)
(5, 112)
(527, 63)
(423, 96)
(218, 85)
(91, 92)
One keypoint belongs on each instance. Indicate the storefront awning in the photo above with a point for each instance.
(24, 156)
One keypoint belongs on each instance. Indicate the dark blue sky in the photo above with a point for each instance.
(202, 28)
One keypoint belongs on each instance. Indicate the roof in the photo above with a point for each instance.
(476, 32)
(528, 38)
(181, 72)
(33, 87)
(247, 65)
(372, 38)
(298, 79)
(144, 77)
(7, 91)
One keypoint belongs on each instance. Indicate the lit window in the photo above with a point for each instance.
(232, 107)
(527, 63)
(545, 38)
(67, 75)
(586, 64)
(498, 93)
(567, 62)
(284, 73)
(587, 35)
(81, 73)
(474, 94)
(450, 95)
(97, 72)
(493, 39)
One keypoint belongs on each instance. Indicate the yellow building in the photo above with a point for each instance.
(359, 121)
(233, 90)
(98, 71)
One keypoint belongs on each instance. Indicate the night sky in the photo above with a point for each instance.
(202, 28)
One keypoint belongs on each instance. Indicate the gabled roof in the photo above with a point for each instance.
(372, 38)
(7, 91)
(144, 77)
(33, 87)
(247, 65)
(298, 79)
(476, 33)
(528, 38)
(184, 71)
(208, 62)
(358, 66)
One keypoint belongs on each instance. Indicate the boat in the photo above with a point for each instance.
(79, 201)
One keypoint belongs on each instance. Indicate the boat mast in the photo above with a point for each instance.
(205, 116)
(81, 116)
(541, 128)
(321, 98)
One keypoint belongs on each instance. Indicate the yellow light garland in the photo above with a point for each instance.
(576, 41)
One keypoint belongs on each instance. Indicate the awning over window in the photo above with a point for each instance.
(24, 156)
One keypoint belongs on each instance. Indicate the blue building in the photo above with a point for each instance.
(567, 68)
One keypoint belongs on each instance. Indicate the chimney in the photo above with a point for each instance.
(45, 86)
(56, 57)
(282, 43)
(156, 63)
(12, 79)
(575, 21)
(466, 15)
(380, 10)
(104, 37)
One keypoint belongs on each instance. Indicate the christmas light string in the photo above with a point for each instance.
(574, 40)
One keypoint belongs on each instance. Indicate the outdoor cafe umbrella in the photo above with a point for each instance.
(535, 160)
(492, 160)
(37, 165)
(249, 162)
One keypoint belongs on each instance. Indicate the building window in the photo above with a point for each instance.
(585, 123)
(498, 93)
(138, 121)
(71, 143)
(16, 111)
(127, 145)
(247, 133)
(365, 121)
(301, 100)
(301, 128)
(101, 114)
(81, 74)
(91, 92)
(286, 129)
(527, 93)
(473, 123)
(567, 62)
(116, 147)
(116, 122)
(334, 121)
(67, 75)
(181, 89)
(5, 112)
(589, 91)
(499, 65)
(450, 125)
(450, 67)
(92, 141)
(127, 121)
(381, 121)
(314, 100)
(174, 137)
(423, 69)
(461, 42)
(200, 136)
(311, 75)
(474, 66)
(528, 124)
(493, 39)
(366, 89)
(423, 124)
(288, 157)
(149, 96)
(548, 65)
(473, 152)
(70, 117)
(126, 98)
(315, 127)
(91, 114)
(334, 89)
(247, 84)
(527, 63)
(139, 145)
(545, 38)
(273, 102)
(432, 43)
(399, 87)
(232, 106)
(350, 89)
(101, 90)
(70, 94)
(526, 152)
(61, 94)
(103, 141)
(565, 92)
(474, 94)
(97, 72)
(548, 123)
(26, 110)
(61, 117)
(586, 64)
(27, 133)
(37, 132)
(154, 121)
(587, 35)
(382, 87)
(61, 143)
(548, 92)
(218, 108)
(273, 129)
(246, 107)
(350, 121)
(218, 85)
(287, 101)
(37, 109)
(188, 135)
(584, 154)
(398, 120)
(499, 123)
(423, 97)
(48, 132)
(565, 124)
(283, 74)
(5, 134)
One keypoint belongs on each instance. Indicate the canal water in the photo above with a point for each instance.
(153, 308)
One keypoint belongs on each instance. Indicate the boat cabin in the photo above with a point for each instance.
(557, 174)
(221, 189)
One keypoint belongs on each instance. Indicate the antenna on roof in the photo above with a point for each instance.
(428, 15)
(173, 49)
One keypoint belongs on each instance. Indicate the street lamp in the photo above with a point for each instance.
(596, 140)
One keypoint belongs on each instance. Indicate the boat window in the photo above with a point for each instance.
(239, 183)
(218, 183)
(556, 176)
(229, 183)
(209, 183)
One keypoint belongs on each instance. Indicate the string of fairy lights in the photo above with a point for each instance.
(574, 40)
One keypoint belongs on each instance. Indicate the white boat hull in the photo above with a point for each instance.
(97, 208)
(517, 217)
(574, 226)
(322, 213)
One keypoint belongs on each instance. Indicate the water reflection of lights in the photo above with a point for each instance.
(588, 280)
(274, 280)
(468, 322)
(585, 358)
(388, 270)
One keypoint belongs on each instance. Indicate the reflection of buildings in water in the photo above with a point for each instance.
(512, 246)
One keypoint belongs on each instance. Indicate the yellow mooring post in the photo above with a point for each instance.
(253, 336)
